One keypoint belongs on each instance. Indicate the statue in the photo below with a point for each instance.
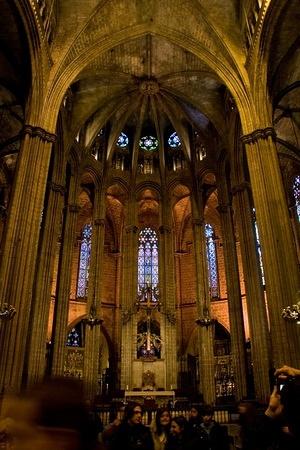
(148, 381)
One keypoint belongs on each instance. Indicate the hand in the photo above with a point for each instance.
(275, 407)
(286, 371)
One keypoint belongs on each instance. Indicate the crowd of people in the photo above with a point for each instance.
(55, 416)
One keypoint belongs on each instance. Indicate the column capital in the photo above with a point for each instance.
(198, 222)
(131, 229)
(35, 131)
(57, 187)
(164, 229)
(73, 208)
(256, 135)
(223, 208)
(99, 222)
(245, 185)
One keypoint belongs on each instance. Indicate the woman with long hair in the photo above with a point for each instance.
(160, 428)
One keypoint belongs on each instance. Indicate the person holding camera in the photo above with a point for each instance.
(282, 416)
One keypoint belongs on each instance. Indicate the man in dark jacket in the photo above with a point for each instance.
(214, 435)
(132, 434)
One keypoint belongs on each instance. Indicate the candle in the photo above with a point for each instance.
(127, 387)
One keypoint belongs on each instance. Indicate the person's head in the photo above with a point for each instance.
(162, 419)
(247, 411)
(133, 414)
(178, 425)
(207, 414)
(194, 413)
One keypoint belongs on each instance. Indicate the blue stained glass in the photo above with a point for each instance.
(296, 192)
(74, 338)
(174, 140)
(148, 143)
(84, 262)
(147, 259)
(212, 261)
(122, 140)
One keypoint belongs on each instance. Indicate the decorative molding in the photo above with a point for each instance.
(245, 185)
(99, 222)
(44, 135)
(131, 229)
(164, 229)
(74, 208)
(223, 208)
(57, 187)
(198, 222)
(260, 133)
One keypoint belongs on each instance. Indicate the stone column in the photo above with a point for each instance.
(257, 315)
(167, 291)
(19, 250)
(206, 353)
(92, 334)
(42, 288)
(277, 242)
(296, 228)
(61, 309)
(237, 332)
(128, 299)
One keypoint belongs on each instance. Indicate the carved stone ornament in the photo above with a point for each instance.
(240, 187)
(57, 187)
(256, 135)
(131, 229)
(74, 208)
(99, 222)
(34, 131)
(171, 317)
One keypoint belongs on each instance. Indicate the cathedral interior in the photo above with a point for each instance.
(149, 194)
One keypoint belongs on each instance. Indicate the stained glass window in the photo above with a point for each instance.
(149, 143)
(147, 259)
(84, 262)
(174, 140)
(212, 261)
(296, 192)
(122, 140)
(74, 338)
(258, 247)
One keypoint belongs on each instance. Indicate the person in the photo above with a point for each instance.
(160, 428)
(51, 415)
(194, 420)
(131, 434)
(214, 435)
(282, 416)
(177, 438)
(250, 426)
(109, 431)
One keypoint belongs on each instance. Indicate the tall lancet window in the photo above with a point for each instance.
(212, 263)
(258, 248)
(84, 261)
(148, 330)
(296, 192)
(147, 259)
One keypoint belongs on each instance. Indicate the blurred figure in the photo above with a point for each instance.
(51, 416)
(251, 427)
(110, 430)
(160, 428)
(194, 420)
(131, 434)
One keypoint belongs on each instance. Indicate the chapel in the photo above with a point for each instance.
(150, 195)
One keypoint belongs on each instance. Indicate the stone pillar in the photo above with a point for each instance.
(92, 334)
(128, 296)
(167, 290)
(235, 308)
(42, 288)
(296, 228)
(61, 309)
(257, 314)
(277, 242)
(19, 250)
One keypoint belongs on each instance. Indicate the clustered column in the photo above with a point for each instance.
(61, 309)
(260, 339)
(278, 248)
(20, 248)
(235, 308)
(42, 291)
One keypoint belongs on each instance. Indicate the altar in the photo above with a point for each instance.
(153, 395)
